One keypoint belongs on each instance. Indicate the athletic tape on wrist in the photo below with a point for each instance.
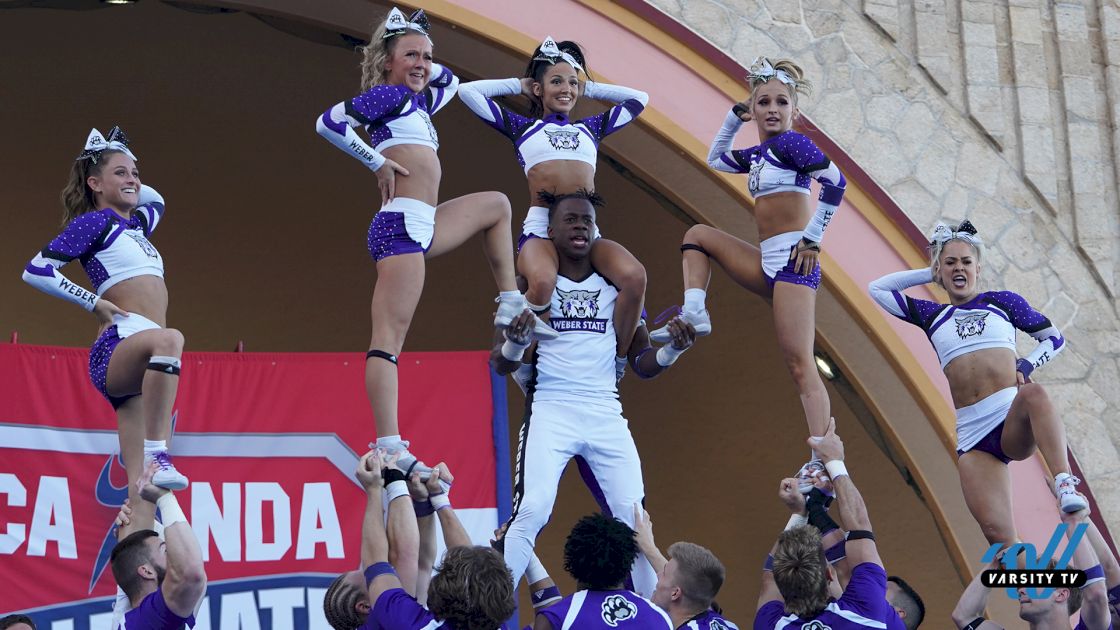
(836, 553)
(169, 510)
(836, 468)
(396, 490)
(389, 475)
(545, 596)
(423, 508)
(769, 564)
(440, 501)
(513, 351)
(861, 534)
(796, 520)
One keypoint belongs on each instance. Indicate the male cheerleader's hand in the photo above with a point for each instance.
(789, 491)
(440, 480)
(1073, 518)
(682, 333)
(643, 530)
(828, 446)
(520, 330)
(124, 517)
(387, 179)
(144, 486)
(104, 310)
(417, 489)
(805, 254)
(369, 471)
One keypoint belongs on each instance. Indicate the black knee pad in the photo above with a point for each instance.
(381, 354)
(165, 365)
(696, 248)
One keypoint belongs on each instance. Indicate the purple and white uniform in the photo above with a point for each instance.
(392, 115)
(606, 610)
(861, 606)
(555, 137)
(397, 610)
(708, 620)
(572, 411)
(153, 614)
(989, 320)
(111, 249)
(785, 163)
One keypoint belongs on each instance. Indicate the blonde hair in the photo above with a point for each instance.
(800, 571)
(700, 574)
(377, 52)
(802, 85)
(76, 196)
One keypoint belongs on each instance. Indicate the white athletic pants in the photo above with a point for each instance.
(598, 436)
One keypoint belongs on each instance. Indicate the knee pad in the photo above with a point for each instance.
(166, 365)
(381, 354)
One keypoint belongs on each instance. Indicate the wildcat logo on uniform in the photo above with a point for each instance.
(716, 624)
(755, 175)
(563, 139)
(815, 625)
(617, 608)
(970, 325)
(578, 310)
(431, 127)
(145, 246)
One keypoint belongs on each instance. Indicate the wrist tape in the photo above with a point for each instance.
(169, 510)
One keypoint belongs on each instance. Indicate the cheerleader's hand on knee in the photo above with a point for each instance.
(805, 256)
(387, 179)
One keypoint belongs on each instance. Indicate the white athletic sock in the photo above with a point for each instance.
(694, 300)
(511, 296)
(390, 442)
(1059, 478)
(151, 447)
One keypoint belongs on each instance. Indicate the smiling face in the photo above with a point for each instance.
(409, 62)
(572, 226)
(117, 185)
(558, 89)
(958, 270)
(773, 108)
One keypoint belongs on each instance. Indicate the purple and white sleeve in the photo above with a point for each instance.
(720, 155)
(1027, 319)
(630, 104)
(75, 241)
(337, 124)
(800, 152)
(479, 97)
(150, 209)
(887, 291)
(441, 89)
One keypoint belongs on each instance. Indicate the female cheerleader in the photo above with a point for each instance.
(1001, 414)
(135, 361)
(784, 266)
(559, 156)
(403, 88)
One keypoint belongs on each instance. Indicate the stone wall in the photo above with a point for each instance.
(1005, 113)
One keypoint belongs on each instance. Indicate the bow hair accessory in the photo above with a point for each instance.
(942, 233)
(551, 52)
(96, 144)
(396, 24)
(761, 69)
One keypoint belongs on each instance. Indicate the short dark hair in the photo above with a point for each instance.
(472, 589)
(340, 605)
(551, 200)
(600, 552)
(127, 556)
(11, 620)
(909, 601)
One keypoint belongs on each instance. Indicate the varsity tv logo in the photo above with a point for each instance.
(1036, 575)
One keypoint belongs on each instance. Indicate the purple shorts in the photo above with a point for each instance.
(99, 356)
(787, 274)
(388, 236)
(991, 444)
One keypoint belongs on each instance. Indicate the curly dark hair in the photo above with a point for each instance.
(599, 552)
(537, 67)
(340, 604)
(472, 589)
(551, 200)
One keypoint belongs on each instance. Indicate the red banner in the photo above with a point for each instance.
(269, 441)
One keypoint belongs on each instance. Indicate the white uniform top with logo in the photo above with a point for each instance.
(579, 364)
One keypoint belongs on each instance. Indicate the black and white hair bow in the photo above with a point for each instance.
(96, 144)
(396, 24)
(761, 70)
(552, 53)
(942, 233)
